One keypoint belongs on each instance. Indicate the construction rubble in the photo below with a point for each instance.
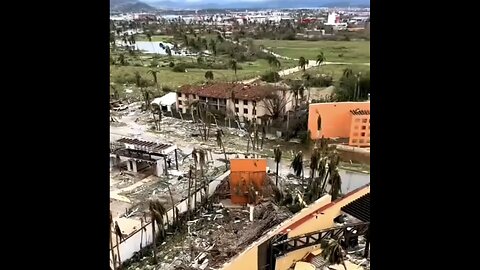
(215, 237)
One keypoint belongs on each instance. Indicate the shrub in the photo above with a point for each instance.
(179, 68)
(154, 63)
(321, 81)
(167, 88)
(171, 64)
(271, 77)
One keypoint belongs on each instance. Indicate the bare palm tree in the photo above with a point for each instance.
(335, 182)
(195, 156)
(278, 156)
(302, 62)
(297, 164)
(219, 134)
(155, 78)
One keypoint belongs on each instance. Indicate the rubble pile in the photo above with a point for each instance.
(214, 237)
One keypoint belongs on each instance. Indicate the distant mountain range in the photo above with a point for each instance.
(130, 6)
(152, 5)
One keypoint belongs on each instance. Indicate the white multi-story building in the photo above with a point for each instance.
(251, 102)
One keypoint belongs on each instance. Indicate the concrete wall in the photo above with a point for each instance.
(244, 172)
(336, 118)
(132, 244)
(360, 131)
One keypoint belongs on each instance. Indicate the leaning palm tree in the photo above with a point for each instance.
(278, 156)
(297, 164)
(333, 253)
(156, 217)
(219, 134)
(320, 58)
(234, 66)
(302, 63)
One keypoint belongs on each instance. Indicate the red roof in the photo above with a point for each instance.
(224, 90)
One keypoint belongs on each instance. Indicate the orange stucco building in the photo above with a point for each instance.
(342, 120)
(243, 174)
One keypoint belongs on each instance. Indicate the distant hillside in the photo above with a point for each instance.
(130, 6)
(211, 4)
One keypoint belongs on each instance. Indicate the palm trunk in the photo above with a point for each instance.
(324, 182)
(344, 266)
(118, 251)
(367, 243)
(225, 154)
(276, 176)
(195, 187)
(205, 182)
(248, 144)
(173, 207)
(189, 194)
(154, 241)
(111, 248)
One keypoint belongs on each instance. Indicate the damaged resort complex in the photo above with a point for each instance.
(197, 186)
(236, 147)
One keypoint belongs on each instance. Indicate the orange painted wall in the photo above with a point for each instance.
(244, 172)
(360, 131)
(336, 118)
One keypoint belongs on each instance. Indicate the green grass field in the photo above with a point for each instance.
(336, 71)
(353, 51)
(194, 76)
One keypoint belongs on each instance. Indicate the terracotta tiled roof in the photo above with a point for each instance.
(360, 112)
(224, 90)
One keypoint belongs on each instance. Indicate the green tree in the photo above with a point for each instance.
(121, 59)
(233, 65)
(347, 72)
(273, 62)
(320, 58)
(209, 75)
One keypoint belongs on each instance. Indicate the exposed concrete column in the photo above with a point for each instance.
(129, 165)
(252, 207)
(134, 166)
(158, 168)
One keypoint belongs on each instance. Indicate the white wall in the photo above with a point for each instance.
(132, 244)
